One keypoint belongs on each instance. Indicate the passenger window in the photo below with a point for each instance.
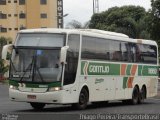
(148, 53)
(104, 49)
(95, 48)
(124, 50)
(115, 52)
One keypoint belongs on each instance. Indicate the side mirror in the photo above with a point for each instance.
(6, 49)
(63, 54)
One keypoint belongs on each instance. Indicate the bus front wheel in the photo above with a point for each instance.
(83, 100)
(37, 106)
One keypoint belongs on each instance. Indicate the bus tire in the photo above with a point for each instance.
(37, 106)
(135, 96)
(83, 100)
(142, 95)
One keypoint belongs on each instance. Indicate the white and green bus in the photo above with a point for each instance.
(63, 66)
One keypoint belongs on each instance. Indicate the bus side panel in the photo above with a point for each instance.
(152, 86)
(72, 91)
(101, 88)
(96, 90)
(110, 90)
(70, 94)
(150, 82)
(119, 90)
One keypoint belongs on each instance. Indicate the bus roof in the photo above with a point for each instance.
(91, 32)
(55, 30)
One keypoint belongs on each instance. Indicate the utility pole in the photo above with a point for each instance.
(95, 6)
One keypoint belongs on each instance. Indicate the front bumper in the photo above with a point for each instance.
(46, 97)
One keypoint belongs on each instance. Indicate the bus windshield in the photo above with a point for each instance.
(35, 65)
(40, 40)
(35, 58)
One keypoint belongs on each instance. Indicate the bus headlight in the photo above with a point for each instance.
(54, 89)
(13, 87)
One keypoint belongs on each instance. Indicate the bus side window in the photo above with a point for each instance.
(107, 56)
(124, 50)
(139, 57)
(147, 53)
(132, 52)
(115, 51)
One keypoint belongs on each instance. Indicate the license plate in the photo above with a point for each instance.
(31, 96)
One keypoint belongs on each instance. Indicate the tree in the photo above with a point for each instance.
(154, 25)
(74, 24)
(3, 68)
(155, 20)
(127, 19)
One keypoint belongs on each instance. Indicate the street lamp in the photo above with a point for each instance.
(60, 20)
(65, 15)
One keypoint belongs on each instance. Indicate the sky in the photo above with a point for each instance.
(82, 10)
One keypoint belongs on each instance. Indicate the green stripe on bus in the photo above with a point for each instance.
(150, 71)
(114, 69)
(125, 79)
(55, 84)
(30, 85)
(128, 71)
(15, 83)
(98, 68)
(147, 70)
(95, 68)
(140, 70)
(33, 85)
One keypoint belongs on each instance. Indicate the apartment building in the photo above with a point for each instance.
(16, 15)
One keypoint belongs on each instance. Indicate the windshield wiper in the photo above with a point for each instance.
(39, 74)
(35, 68)
(12, 65)
(28, 68)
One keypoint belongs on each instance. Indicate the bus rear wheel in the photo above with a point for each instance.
(142, 95)
(37, 106)
(83, 100)
(135, 96)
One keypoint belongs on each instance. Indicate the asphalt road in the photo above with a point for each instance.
(151, 106)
